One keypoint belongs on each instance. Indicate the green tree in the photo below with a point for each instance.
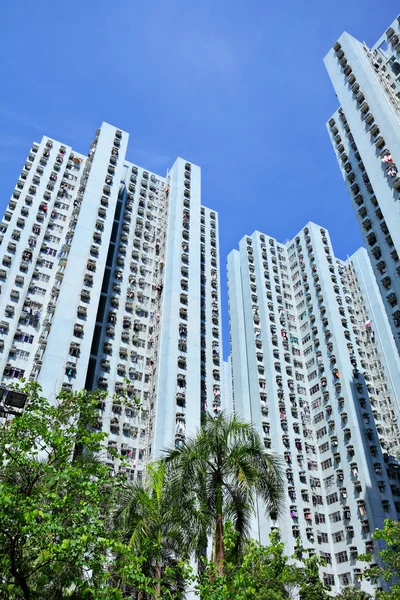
(264, 573)
(159, 527)
(307, 580)
(56, 503)
(353, 593)
(389, 558)
(227, 467)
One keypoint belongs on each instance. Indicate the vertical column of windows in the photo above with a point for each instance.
(180, 417)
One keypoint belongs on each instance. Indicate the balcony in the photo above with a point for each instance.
(359, 200)
(396, 183)
(367, 224)
(340, 149)
(102, 382)
(70, 369)
(85, 295)
(392, 299)
(351, 79)
(369, 118)
(374, 129)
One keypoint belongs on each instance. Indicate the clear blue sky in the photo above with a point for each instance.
(235, 86)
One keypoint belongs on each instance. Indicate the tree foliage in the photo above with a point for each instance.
(55, 503)
(264, 573)
(353, 593)
(389, 568)
(159, 528)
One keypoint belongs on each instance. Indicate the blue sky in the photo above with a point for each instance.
(237, 87)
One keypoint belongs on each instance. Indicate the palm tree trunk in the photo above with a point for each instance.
(158, 564)
(219, 532)
(158, 577)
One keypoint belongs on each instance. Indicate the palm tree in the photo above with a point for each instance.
(227, 467)
(155, 525)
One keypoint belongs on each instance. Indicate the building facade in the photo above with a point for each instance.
(318, 380)
(365, 133)
(110, 279)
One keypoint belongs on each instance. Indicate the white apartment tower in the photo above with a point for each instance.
(315, 368)
(365, 133)
(109, 273)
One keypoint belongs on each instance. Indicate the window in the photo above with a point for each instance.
(21, 354)
(326, 464)
(319, 417)
(53, 238)
(321, 432)
(328, 578)
(332, 498)
(43, 277)
(319, 518)
(61, 205)
(310, 363)
(47, 263)
(24, 337)
(57, 215)
(329, 481)
(345, 579)
(39, 290)
(324, 447)
(327, 556)
(316, 403)
(312, 375)
(308, 350)
(314, 389)
(335, 517)
(13, 372)
(322, 538)
(337, 537)
(306, 339)
(50, 251)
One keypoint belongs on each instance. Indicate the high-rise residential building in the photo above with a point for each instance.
(365, 132)
(316, 369)
(110, 279)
